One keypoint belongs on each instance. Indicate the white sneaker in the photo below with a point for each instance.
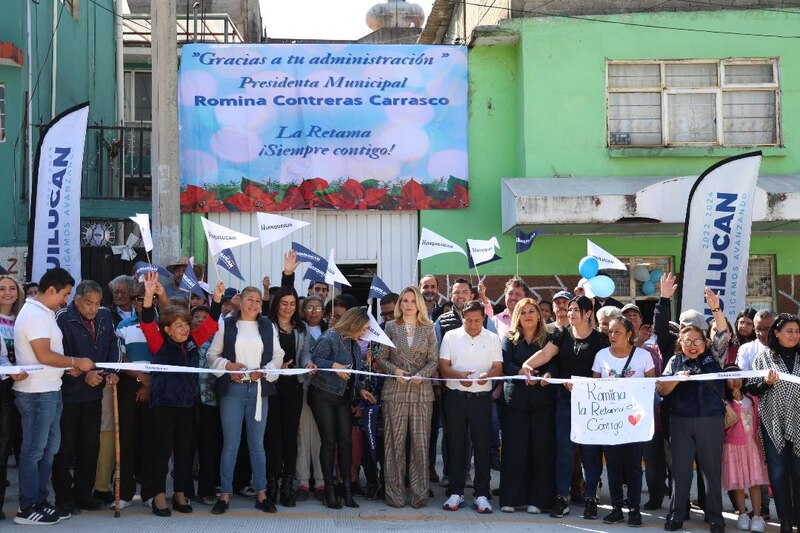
(454, 503)
(532, 509)
(757, 524)
(148, 502)
(507, 509)
(122, 504)
(743, 522)
(482, 505)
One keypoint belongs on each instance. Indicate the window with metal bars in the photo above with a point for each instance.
(731, 102)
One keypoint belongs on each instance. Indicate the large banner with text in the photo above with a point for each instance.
(612, 411)
(267, 127)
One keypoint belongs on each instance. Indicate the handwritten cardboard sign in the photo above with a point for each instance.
(612, 411)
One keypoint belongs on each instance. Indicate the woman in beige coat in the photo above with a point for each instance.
(408, 399)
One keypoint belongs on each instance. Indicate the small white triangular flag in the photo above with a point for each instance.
(431, 244)
(275, 227)
(333, 274)
(143, 221)
(219, 237)
(375, 333)
(604, 259)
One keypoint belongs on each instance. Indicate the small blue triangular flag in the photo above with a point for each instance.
(226, 260)
(378, 289)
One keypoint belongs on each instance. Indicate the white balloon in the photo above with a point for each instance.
(640, 273)
(587, 287)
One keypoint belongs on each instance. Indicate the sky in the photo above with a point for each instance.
(320, 19)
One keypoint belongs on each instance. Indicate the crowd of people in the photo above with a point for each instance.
(241, 430)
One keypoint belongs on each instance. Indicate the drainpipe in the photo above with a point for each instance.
(55, 62)
(30, 111)
(120, 74)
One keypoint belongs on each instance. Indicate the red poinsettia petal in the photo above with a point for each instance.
(353, 189)
(217, 206)
(373, 197)
(413, 196)
(292, 199)
(339, 201)
(309, 187)
(241, 202)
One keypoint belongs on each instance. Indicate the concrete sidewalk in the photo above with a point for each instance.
(311, 516)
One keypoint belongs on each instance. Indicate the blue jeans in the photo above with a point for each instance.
(239, 403)
(784, 476)
(565, 452)
(41, 437)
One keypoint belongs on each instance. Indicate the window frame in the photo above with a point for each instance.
(130, 88)
(719, 90)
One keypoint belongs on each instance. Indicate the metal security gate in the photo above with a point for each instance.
(388, 239)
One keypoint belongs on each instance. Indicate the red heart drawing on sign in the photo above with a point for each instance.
(634, 419)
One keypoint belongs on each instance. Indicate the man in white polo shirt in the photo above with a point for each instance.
(37, 341)
(469, 354)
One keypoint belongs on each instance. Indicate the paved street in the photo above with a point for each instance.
(311, 516)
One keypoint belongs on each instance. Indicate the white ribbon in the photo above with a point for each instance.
(147, 367)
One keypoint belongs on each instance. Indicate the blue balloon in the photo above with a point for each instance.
(655, 275)
(648, 288)
(588, 267)
(602, 286)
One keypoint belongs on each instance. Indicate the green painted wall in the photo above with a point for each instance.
(85, 70)
(537, 109)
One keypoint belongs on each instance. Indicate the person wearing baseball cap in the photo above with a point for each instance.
(561, 301)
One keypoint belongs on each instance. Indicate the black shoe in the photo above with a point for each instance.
(347, 494)
(614, 517)
(61, 514)
(91, 504)
(287, 492)
(181, 507)
(672, 525)
(356, 489)
(653, 504)
(220, 507)
(329, 498)
(634, 518)
(33, 516)
(590, 509)
(560, 508)
(106, 497)
(717, 528)
(272, 490)
(266, 505)
(161, 512)
(786, 526)
(67, 508)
